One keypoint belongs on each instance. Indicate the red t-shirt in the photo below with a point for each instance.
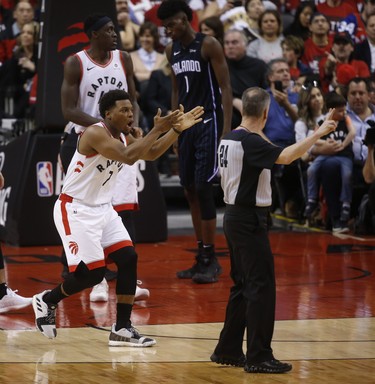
(313, 53)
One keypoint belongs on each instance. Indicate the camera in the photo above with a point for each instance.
(370, 133)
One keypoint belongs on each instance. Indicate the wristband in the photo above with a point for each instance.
(177, 131)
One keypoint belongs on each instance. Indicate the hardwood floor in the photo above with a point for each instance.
(325, 317)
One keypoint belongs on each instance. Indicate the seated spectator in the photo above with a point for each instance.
(319, 44)
(300, 25)
(21, 68)
(343, 16)
(369, 177)
(159, 95)
(212, 26)
(146, 59)
(292, 47)
(342, 138)
(311, 109)
(279, 129)
(366, 49)
(128, 29)
(254, 8)
(367, 10)
(23, 13)
(268, 46)
(244, 71)
(329, 67)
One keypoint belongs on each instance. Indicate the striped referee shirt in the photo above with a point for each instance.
(245, 162)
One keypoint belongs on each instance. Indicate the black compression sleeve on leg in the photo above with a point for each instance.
(206, 198)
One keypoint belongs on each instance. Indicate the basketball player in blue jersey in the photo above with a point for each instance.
(199, 77)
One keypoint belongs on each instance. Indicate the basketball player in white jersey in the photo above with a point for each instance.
(87, 75)
(90, 229)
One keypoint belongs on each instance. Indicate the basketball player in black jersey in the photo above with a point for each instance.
(199, 77)
(246, 157)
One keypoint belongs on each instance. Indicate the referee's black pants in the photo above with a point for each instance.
(251, 304)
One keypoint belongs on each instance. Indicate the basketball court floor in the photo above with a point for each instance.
(325, 316)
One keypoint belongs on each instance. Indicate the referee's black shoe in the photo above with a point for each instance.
(209, 272)
(270, 366)
(229, 360)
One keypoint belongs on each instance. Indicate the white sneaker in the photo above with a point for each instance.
(45, 315)
(100, 292)
(13, 301)
(128, 337)
(141, 293)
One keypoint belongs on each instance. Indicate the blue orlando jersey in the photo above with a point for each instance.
(196, 81)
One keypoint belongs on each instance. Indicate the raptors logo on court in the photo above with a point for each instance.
(73, 246)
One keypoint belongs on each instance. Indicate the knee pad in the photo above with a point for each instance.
(206, 198)
(124, 257)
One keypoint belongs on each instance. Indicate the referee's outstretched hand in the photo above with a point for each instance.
(329, 125)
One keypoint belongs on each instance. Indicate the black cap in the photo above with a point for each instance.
(343, 37)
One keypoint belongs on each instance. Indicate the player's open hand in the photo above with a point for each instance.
(191, 118)
(164, 124)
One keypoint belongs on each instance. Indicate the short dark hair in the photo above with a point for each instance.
(255, 101)
(149, 26)
(91, 20)
(334, 100)
(109, 99)
(169, 8)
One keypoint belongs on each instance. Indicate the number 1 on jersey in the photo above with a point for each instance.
(187, 84)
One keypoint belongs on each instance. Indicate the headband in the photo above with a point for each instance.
(99, 24)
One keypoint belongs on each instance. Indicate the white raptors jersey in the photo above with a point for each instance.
(97, 79)
(125, 195)
(91, 179)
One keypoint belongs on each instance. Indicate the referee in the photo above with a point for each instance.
(246, 157)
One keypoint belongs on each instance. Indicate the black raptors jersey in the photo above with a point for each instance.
(196, 81)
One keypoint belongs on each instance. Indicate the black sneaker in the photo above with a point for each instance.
(271, 366)
(310, 208)
(210, 270)
(345, 214)
(229, 360)
(189, 273)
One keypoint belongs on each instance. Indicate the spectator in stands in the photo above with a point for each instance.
(300, 25)
(146, 59)
(214, 27)
(366, 49)
(279, 129)
(244, 71)
(319, 44)
(23, 14)
(311, 110)
(158, 94)
(343, 16)
(254, 9)
(330, 66)
(292, 47)
(369, 176)
(343, 136)
(268, 46)
(361, 111)
(128, 29)
(19, 71)
(368, 9)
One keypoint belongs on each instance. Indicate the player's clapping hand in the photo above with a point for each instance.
(190, 118)
(164, 124)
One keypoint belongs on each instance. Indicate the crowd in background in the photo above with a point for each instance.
(309, 55)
